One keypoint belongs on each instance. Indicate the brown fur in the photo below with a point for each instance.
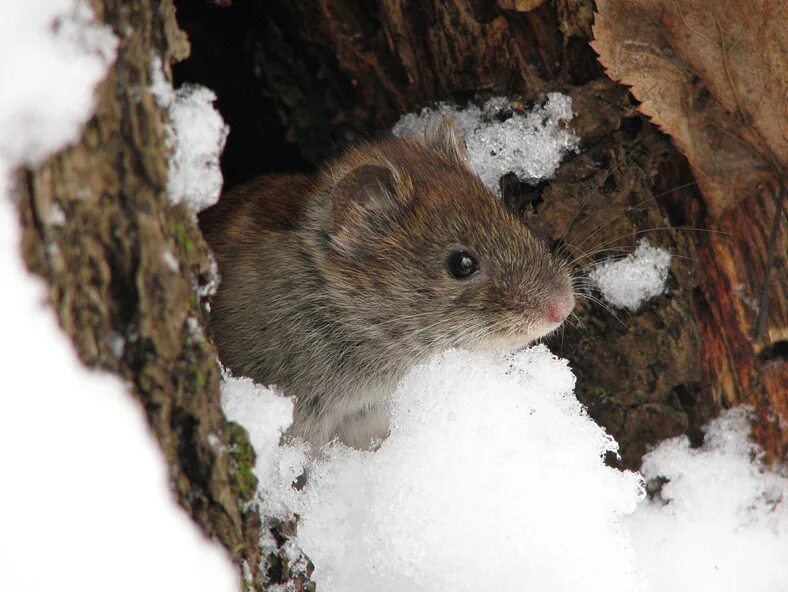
(333, 287)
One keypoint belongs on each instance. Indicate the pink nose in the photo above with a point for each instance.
(559, 308)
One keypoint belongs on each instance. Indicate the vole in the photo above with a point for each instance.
(333, 286)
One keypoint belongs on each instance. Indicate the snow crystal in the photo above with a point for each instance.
(720, 522)
(196, 135)
(265, 414)
(500, 140)
(627, 283)
(492, 478)
(194, 329)
(246, 573)
(52, 56)
(216, 443)
(212, 284)
(57, 217)
(170, 261)
(117, 344)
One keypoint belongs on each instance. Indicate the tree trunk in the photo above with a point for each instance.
(296, 80)
(107, 280)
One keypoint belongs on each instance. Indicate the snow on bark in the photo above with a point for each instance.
(196, 135)
(631, 281)
(500, 140)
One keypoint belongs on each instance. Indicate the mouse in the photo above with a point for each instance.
(334, 285)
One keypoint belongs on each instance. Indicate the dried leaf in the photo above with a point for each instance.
(714, 76)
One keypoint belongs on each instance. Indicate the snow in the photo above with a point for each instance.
(492, 478)
(629, 282)
(85, 490)
(265, 414)
(117, 344)
(196, 135)
(57, 217)
(721, 522)
(170, 261)
(500, 140)
(212, 281)
(85, 499)
(42, 113)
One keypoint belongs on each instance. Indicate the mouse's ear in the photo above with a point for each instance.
(370, 186)
(368, 195)
(444, 137)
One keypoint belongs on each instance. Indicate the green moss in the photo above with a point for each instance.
(182, 237)
(242, 459)
(199, 378)
(275, 569)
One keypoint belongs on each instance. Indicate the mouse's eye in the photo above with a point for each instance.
(462, 264)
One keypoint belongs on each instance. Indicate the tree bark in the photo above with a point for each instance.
(296, 80)
(110, 285)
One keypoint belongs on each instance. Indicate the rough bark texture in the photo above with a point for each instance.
(296, 80)
(127, 311)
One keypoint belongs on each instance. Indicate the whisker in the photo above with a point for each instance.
(605, 306)
(623, 253)
(637, 207)
(655, 229)
(590, 194)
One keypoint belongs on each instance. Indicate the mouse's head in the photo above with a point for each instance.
(417, 255)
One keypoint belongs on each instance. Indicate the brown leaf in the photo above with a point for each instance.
(713, 75)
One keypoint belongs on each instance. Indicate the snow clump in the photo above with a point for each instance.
(720, 522)
(196, 135)
(500, 140)
(629, 282)
(492, 478)
(52, 56)
(265, 414)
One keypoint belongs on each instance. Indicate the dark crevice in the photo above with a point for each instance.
(776, 352)
(223, 59)
(585, 66)
(518, 195)
(609, 185)
(688, 397)
(631, 128)
(676, 190)
(185, 426)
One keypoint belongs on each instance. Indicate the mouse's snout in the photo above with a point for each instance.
(559, 306)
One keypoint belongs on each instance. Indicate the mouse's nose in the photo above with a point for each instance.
(559, 307)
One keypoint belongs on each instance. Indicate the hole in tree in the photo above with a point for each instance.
(776, 352)
(224, 58)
